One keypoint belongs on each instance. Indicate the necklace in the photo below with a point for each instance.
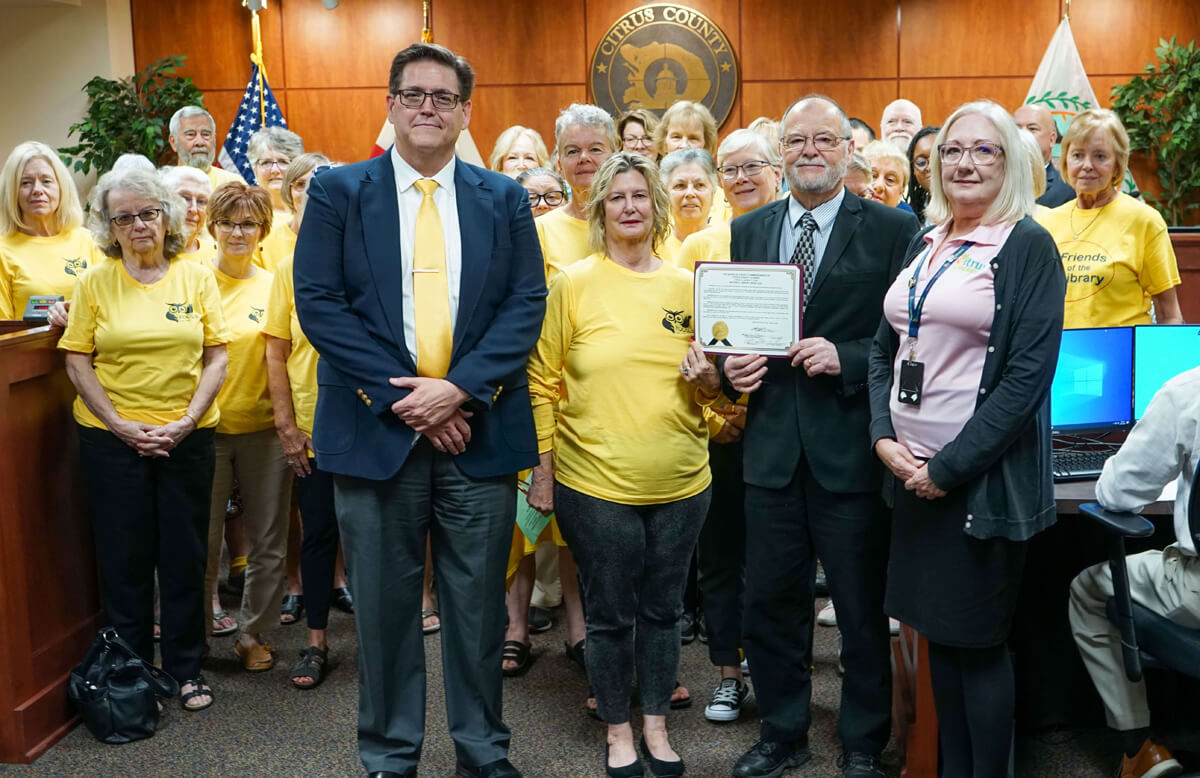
(1083, 229)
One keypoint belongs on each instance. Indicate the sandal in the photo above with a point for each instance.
(432, 628)
(256, 658)
(683, 702)
(292, 609)
(576, 653)
(521, 653)
(217, 629)
(312, 666)
(200, 688)
(343, 600)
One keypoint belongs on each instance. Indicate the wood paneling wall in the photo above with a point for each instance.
(329, 68)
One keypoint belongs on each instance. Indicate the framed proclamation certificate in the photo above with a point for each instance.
(744, 307)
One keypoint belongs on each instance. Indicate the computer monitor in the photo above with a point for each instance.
(1092, 389)
(1161, 352)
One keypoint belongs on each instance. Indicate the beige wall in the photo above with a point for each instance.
(47, 54)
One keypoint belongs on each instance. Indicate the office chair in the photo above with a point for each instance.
(1147, 639)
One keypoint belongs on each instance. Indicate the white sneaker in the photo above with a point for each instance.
(745, 668)
(728, 699)
(827, 617)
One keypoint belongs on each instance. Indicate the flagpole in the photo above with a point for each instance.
(257, 56)
(1067, 11)
(427, 30)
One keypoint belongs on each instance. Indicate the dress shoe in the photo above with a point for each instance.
(389, 774)
(501, 768)
(660, 768)
(768, 759)
(632, 770)
(856, 764)
(1151, 761)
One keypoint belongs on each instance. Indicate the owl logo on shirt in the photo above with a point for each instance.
(181, 312)
(75, 266)
(677, 322)
(256, 314)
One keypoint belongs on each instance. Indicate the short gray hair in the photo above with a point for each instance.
(533, 172)
(584, 115)
(135, 161)
(187, 112)
(860, 163)
(174, 175)
(1014, 201)
(1037, 164)
(683, 157)
(277, 139)
(879, 149)
(740, 140)
(144, 184)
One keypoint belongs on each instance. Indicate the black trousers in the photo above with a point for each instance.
(148, 514)
(723, 554)
(318, 549)
(786, 529)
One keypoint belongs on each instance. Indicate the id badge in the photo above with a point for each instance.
(912, 376)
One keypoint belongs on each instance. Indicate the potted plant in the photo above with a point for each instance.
(1160, 112)
(130, 115)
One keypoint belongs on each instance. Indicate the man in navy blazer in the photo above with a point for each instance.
(413, 454)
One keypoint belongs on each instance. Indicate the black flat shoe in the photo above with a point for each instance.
(342, 599)
(661, 768)
(576, 654)
(634, 769)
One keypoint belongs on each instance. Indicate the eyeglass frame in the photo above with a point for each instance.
(970, 151)
(723, 170)
(536, 199)
(432, 96)
(230, 226)
(279, 164)
(798, 142)
(126, 220)
(638, 142)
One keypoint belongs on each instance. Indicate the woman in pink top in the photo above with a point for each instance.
(960, 374)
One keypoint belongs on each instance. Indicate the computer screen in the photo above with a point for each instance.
(1092, 387)
(1161, 352)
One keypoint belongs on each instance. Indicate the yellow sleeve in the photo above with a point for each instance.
(546, 361)
(215, 331)
(6, 301)
(80, 335)
(541, 235)
(279, 305)
(1159, 270)
(691, 252)
(712, 419)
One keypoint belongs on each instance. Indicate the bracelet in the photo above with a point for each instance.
(195, 421)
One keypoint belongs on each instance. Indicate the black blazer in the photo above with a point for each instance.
(1057, 191)
(824, 418)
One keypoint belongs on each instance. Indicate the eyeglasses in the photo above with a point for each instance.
(225, 225)
(751, 169)
(920, 163)
(148, 216)
(552, 199)
(981, 153)
(824, 141)
(280, 164)
(637, 141)
(415, 98)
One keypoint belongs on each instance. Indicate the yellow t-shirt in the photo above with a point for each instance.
(218, 176)
(1116, 258)
(244, 399)
(710, 244)
(282, 322)
(32, 265)
(613, 339)
(206, 250)
(669, 248)
(148, 340)
(278, 245)
(564, 240)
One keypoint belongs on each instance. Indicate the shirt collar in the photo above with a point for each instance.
(406, 175)
(825, 213)
(983, 235)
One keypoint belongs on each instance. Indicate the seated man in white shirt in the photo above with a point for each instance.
(1162, 447)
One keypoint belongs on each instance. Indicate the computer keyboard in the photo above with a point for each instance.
(1079, 465)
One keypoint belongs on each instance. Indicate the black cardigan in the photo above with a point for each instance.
(1002, 454)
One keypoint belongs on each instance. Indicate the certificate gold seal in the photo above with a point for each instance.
(720, 330)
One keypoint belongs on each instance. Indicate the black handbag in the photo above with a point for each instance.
(116, 692)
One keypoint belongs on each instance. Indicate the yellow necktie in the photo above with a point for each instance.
(431, 291)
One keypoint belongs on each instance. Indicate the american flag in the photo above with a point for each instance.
(255, 103)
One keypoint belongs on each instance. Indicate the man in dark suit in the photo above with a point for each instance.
(1040, 123)
(812, 482)
(420, 282)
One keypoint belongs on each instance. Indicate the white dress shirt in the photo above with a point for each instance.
(409, 198)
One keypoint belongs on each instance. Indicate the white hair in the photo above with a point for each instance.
(740, 140)
(584, 115)
(174, 175)
(133, 162)
(187, 112)
(277, 139)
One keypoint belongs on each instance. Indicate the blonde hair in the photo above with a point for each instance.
(684, 110)
(1098, 120)
(509, 138)
(602, 184)
(1037, 164)
(144, 184)
(1014, 201)
(69, 214)
(299, 166)
(879, 149)
(643, 117)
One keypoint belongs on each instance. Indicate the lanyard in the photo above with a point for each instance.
(915, 306)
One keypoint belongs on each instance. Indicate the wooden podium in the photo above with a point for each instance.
(49, 593)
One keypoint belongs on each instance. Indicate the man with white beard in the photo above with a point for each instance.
(900, 122)
(194, 140)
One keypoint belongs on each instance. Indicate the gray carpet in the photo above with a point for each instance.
(261, 726)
